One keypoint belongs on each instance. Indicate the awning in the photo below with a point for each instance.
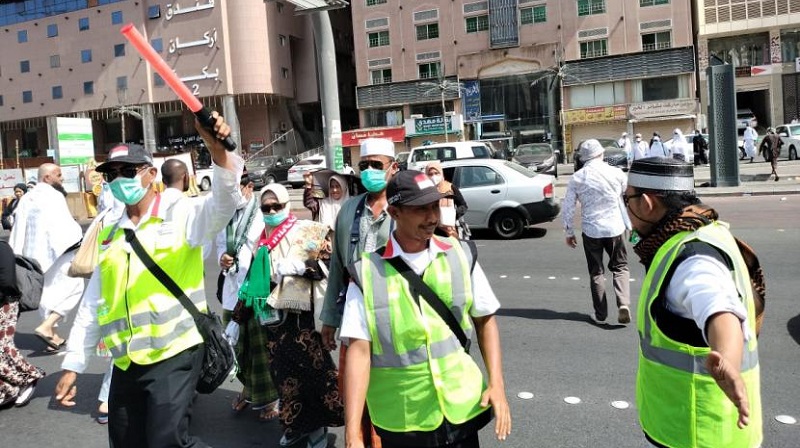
(665, 118)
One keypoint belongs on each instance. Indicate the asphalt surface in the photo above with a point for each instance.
(551, 349)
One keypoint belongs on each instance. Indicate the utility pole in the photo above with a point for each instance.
(122, 110)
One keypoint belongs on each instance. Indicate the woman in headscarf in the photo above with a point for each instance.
(324, 210)
(678, 145)
(279, 290)
(8, 211)
(451, 209)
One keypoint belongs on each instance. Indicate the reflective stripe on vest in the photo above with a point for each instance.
(141, 321)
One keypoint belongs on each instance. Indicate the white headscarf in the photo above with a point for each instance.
(329, 207)
(678, 142)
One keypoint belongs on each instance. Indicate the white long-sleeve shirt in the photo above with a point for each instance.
(202, 218)
(599, 187)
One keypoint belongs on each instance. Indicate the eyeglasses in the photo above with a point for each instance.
(266, 208)
(367, 164)
(626, 198)
(127, 171)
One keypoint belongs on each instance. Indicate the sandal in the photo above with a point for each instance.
(239, 403)
(270, 411)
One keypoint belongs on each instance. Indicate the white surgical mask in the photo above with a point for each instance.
(436, 179)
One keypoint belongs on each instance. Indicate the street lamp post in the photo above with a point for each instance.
(443, 86)
(122, 110)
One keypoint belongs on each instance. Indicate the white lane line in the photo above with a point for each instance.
(527, 276)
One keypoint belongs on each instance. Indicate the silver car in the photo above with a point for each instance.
(503, 196)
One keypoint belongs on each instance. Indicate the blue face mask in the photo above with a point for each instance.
(373, 180)
(276, 219)
(128, 190)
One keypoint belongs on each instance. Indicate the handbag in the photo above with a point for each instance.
(30, 281)
(219, 358)
(85, 260)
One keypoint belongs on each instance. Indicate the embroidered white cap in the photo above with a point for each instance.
(377, 147)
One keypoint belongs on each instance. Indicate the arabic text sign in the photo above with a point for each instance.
(75, 140)
(353, 138)
(654, 109)
(9, 178)
(472, 101)
(595, 114)
(431, 125)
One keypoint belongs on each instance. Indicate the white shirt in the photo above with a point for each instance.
(702, 287)
(599, 187)
(202, 219)
(354, 319)
(750, 134)
(640, 150)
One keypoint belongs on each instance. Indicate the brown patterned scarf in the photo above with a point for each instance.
(690, 219)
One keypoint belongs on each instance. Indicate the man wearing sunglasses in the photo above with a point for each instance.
(363, 225)
(156, 347)
(698, 378)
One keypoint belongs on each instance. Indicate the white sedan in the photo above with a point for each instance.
(311, 164)
(503, 196)
(790, 136)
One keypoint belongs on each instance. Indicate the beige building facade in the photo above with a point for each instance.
(253, 61)
(625, 65)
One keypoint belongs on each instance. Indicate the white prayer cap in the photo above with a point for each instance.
(377, 147)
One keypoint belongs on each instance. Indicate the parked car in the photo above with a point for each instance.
(313, 163)
(204, 176)
(264, 170)
(688, 147)
(790, 136)
(614, 155)
(443, 152)
(539, 157)
(402, 159)
(744, 116)
(503, 196)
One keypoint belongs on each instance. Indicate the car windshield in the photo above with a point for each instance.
(402, 157)
(608, 142)
(794, 130)
(533, 150)
(309, 162)
(520, 169)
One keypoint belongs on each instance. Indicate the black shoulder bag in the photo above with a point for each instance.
(219, 359)
(421, 289)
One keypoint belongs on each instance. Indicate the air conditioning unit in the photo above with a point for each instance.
(450, 113)
(284, 126)
(279, 136)
(415, 116)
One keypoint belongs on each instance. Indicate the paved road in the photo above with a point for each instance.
(550, 349)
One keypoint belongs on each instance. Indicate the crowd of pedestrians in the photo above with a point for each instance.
(389, 270)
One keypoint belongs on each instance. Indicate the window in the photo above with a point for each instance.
(27, 96)
(157, 44)
(88, 88)
(666, 88)
(57, 93)
(429, 70)
(383, 117)
(1, 100)
(158, 81)
(594, 48)
(86, 56)
(116, 18)
(477, 23)
(154, 11)
(83, 24)
(481, 152)
(477, 176)
(428, 31)
(24, 66)
(381, 76)
(122, 82)
(657, 41)
(430, 109)
(600, 94)
(284, 73)
(279, 6)
(52, 30)
(644, 3)
(22, 36)
(375, 2)
(379, 39)
(55, 61)
(282, 40)
(536, 14)
(119, 50)
(589, 7)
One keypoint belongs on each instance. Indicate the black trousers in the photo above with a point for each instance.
(150, 406)
(470, 442)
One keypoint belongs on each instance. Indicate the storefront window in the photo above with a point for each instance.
(790, 45)
(383, 117)
(741, 51)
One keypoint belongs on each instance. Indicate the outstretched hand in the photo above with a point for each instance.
(730, 381)
(496, 397)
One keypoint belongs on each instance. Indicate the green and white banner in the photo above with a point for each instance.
(75, 140)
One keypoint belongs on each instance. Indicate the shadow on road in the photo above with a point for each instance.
(545, 314)
(794, 328)
(531, 232)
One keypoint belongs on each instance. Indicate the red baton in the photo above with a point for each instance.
(203, 114)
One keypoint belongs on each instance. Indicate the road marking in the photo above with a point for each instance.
(786, 419)
(525, 395)
(572, 400)
(527, 276)
(620, 404)
(503, 276)
(576, 278)
(551, 278)
(631, 280)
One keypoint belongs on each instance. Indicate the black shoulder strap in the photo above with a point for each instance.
(473, 249)
(433, 300)
(355, 228)
(160, 275)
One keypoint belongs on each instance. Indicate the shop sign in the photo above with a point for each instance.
(664, 108)
(353, 138)
(472, 101)
(595, 114)
(431, 125)
(758, 70)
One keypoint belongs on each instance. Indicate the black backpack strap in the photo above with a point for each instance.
(473, 249)
(160, 275)
(421, 289)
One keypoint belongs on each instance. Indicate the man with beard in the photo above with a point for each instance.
(698, 377)
(45, 231)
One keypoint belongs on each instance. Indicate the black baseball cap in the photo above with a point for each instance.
(411, 187)
(128, 153)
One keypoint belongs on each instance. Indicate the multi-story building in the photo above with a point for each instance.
(761, 39)
(626, 65)
(252, 60)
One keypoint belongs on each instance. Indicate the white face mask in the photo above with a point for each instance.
(436, 179)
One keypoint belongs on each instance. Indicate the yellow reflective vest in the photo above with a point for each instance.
(680, 404)
(419, 373)
(140, 320)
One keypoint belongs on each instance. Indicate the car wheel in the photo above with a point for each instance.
(205, 184)
(269, 179)
(792, 153)
(508, 224)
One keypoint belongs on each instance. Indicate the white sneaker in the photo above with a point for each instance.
(25, 395)
(624, 315)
